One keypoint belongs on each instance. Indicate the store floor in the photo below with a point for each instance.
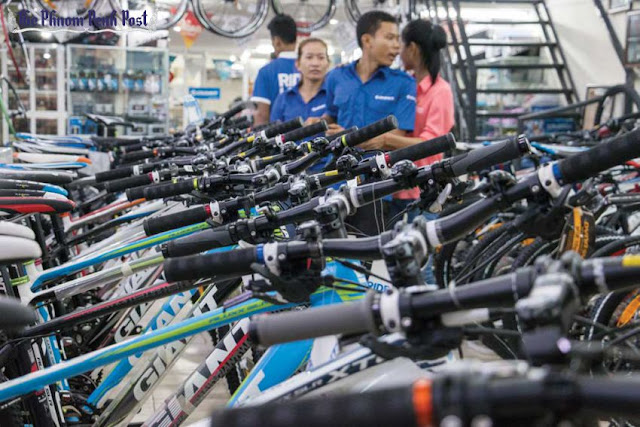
(193, 355)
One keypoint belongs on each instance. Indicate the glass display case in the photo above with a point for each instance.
(131, 83)
(46, 111)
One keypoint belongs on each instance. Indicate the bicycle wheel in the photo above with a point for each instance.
(166, 13)
(356, 8)
(65, 8)
(309, 17)
(232, 18)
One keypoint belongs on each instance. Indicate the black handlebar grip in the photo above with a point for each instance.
(370, 131)
(135, 193)
(398, 406)
(14, 314)
(130, 182)
(199, 242)
(423, 149)
(112, 174)
(237, 261)
(136, 156)
(176, 220)
(605, 155)
(305, 132)
(264, 126)
(233, 111)
(334, 319)
(242, 122)
(485, 157)
(285, 127)
(161, 191)
(339, 134)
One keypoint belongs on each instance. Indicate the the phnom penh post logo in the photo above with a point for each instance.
(91, 21)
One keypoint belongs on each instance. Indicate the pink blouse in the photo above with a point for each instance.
(434, 117)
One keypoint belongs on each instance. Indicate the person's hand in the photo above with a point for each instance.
(312, 120)
(333, 129)
(377, 143)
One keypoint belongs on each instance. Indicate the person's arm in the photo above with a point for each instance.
(277, 109)
(261, 114)
(438, 121)
(390, 141)
(262, 96)
(331, 114)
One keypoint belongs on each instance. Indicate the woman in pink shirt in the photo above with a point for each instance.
(420, 53)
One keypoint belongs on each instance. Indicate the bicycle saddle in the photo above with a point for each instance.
(27, 205)
(16, 230)
(14, 249)
(49, 177)
(109, 121)
(18, 192)
(16, 184)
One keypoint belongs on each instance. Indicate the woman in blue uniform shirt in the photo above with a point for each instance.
(308, 99)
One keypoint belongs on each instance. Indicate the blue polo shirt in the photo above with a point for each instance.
(289, 105)
(275, 77)
(353, 103)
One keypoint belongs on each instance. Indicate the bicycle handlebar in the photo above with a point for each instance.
(505, 398)
(603, 156)
(305, 132)
(485, 157)
(236, 262)
(130, 182)
(423, 149)
(359, 136)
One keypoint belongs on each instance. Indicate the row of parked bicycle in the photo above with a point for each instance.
(220, 229)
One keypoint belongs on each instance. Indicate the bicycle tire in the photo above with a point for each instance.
(355, 11)
(306, 29)
(530, 252)
(255, 21)
(616, 245)
(62, 12)
(174, 18)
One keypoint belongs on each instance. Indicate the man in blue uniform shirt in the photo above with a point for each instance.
(367, 90)
(281, 73)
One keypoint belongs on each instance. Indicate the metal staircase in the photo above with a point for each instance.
(506, 64)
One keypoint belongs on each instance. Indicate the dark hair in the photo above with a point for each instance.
(430, 38)
(370, 22)
(305, 42)
(284, 27)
